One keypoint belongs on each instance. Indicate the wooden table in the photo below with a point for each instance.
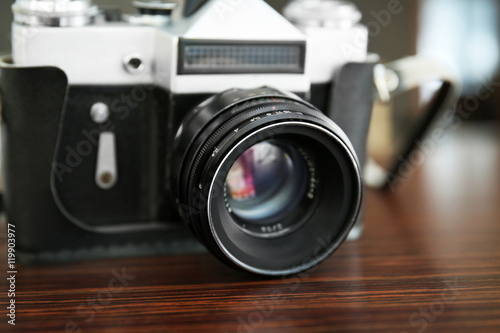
(429, 261)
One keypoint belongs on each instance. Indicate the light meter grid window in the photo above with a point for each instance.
(227, 56)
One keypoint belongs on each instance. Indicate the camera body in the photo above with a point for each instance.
(101, 112)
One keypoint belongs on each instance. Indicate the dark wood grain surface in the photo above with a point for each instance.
(429, 261)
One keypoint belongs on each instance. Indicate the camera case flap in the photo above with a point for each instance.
(31, 130)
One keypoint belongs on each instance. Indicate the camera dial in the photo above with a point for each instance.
(322, 13)
(152, 12)
(155, 7)
(54, 13)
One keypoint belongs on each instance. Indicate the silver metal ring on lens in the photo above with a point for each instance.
(54, 13)
(329, 248)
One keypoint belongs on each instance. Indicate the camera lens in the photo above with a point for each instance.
(264, 185)
(266, 181)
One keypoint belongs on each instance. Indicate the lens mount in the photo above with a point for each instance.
(267, 182)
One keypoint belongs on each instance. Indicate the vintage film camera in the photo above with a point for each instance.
(245, 125)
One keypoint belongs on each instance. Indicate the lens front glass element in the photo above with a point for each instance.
(265, 184)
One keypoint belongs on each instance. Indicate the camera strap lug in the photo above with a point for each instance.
(403, 75)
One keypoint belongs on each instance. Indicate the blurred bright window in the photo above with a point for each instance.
(463, 32)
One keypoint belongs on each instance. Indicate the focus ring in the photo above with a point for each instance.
(214, 138)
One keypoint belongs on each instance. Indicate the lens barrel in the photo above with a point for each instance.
(266, 181)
